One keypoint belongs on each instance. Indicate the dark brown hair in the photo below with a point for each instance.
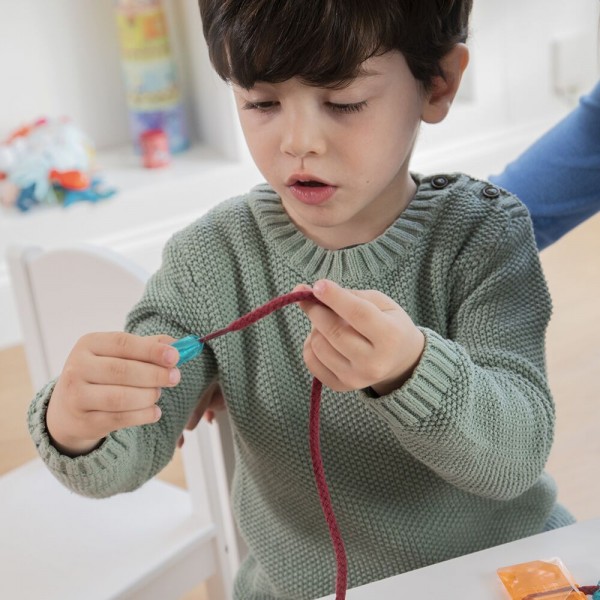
(324, 42)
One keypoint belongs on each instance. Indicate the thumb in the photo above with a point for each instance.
(379, 299)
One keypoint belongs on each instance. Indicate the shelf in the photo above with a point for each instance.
(122, 168)
(148, 200)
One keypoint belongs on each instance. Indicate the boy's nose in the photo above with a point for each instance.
(302, 136)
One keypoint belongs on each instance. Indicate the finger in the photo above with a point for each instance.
(330, 324)
(303, 304)
(354, 308)
(196, 415)
(302, 287)
(112, 421)
(321, 372)
(327, 354)
(154, 349)
(117, 371)
(194, 419)
(209, 398)
(118, 398)
(338, 332)
(218, 401)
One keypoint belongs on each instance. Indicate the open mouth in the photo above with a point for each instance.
(306, 188)
(310, 183)
(311, 191)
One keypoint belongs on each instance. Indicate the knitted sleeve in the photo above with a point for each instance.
(477, 409)
(174, 303)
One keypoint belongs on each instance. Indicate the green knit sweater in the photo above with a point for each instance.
(450, 463)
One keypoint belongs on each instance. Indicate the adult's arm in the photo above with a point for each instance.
(558, 177)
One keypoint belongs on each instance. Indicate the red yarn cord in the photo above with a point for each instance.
(323, 489)
(262, 311)
(314, 437)
(588, 590)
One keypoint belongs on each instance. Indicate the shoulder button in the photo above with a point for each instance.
(439, 182)
(491, 191)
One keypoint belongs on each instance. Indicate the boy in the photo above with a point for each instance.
(436, 419)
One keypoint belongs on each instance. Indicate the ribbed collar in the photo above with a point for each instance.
(348, 264)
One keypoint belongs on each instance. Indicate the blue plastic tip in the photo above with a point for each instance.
(188, 347)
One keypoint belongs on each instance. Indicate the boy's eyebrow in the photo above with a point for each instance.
(361, 74)
(367, 73)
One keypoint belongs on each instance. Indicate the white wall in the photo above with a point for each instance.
(511, 94)
(60, 57)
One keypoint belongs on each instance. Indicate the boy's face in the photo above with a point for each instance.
(338, 158)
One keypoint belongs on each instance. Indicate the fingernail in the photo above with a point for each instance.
(174, 376)
(319, 288)
(170, 356)
(157, 413)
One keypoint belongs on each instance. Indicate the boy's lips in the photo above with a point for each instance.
(310, 189)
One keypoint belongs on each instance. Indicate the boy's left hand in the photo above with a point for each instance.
(359, 339)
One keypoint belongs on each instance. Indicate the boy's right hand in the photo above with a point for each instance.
(110, 381)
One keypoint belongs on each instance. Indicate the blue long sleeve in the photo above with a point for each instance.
(558, 177)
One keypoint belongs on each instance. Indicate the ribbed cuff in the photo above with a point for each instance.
(424, 392)
(88, 474)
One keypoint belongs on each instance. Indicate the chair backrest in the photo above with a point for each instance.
(62, 294)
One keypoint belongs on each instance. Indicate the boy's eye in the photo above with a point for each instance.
(347, 108)
(260, 106)
(334, 106)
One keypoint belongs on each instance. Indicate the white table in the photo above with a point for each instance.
(473, 577)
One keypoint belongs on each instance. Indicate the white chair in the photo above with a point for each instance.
(152, 544)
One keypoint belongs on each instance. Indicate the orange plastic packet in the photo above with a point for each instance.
(540, 580)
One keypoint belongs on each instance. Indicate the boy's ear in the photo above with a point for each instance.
(443, 89)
